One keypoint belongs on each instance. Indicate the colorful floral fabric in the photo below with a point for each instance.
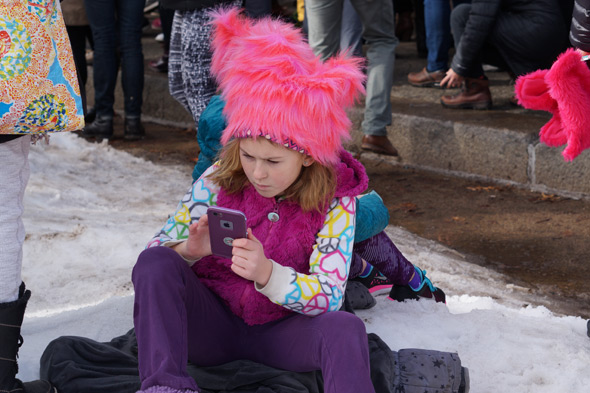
(39, 91)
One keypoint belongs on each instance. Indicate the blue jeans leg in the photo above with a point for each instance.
(130, 17)
(101, 16)
(437, 15)
(437, 19)
(117, 25)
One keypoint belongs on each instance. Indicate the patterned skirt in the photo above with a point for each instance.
(189, 61)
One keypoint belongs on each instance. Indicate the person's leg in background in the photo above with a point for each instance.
(352, 30)
(377, 18)
(404, 26)
(130, 22)
(459, 18)
(437, 17)
(475, 92)
(166, 18)
(101, 15)
(418, 6)
(77, 36)
(324, 24)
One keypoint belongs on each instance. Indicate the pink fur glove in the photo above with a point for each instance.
(564, 91)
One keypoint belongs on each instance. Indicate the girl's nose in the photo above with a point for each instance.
(259, 171)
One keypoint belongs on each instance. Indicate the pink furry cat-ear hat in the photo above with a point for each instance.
(275, 87)
(564, 91)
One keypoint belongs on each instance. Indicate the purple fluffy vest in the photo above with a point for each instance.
(288, 241)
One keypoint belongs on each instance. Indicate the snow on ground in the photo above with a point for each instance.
(90, 209)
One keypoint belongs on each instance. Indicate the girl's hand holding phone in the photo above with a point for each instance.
(197, 245)
(249, 261)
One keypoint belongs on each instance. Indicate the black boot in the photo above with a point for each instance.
(133, 129)
(11, 318)
(101, 128)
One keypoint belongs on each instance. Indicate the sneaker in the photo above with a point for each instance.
(375, 282)
(426, 290)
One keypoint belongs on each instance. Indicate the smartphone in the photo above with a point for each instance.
(225, 225)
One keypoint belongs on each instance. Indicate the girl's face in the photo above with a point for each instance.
(270, 168)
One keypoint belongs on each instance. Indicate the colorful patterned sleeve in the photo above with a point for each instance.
(323, 289)
(201, 195)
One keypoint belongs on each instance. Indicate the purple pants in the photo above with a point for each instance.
(177, 318)
(382, 253)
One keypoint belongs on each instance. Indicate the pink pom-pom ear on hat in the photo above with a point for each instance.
(532, 92)
(275, 87)
(569, 85)
(564, 90)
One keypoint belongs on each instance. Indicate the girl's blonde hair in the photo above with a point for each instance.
(313, 189)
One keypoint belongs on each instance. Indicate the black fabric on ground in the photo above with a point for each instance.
(357, 297)
(78, 364)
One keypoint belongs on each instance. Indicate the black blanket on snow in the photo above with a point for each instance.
(78, 364)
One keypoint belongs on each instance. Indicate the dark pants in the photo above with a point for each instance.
(489, 55)
(166, 18)
(519, 42)
(178, 319)
(78, 36)
(116, 29)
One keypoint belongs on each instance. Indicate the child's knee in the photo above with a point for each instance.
(155, 262)
(344, 326)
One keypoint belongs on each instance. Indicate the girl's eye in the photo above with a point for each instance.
(272, 162)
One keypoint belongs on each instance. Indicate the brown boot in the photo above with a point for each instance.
(426, 79)
(378, 144)
(475, 94)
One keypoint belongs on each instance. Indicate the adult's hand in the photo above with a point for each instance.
(452, 79)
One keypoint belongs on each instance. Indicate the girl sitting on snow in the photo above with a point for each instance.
(277, 300)
(282, 154)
